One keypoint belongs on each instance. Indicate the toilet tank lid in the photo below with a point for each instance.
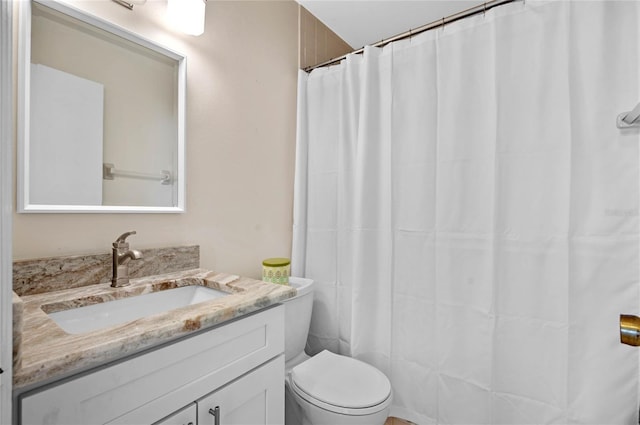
(302, 284)
(341, 381)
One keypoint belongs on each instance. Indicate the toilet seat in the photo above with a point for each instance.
(341, 384)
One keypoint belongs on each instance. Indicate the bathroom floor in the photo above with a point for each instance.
(396, 421)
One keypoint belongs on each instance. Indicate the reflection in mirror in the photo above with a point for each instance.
(103, 116)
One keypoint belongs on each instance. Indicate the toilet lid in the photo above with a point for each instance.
(341, 381)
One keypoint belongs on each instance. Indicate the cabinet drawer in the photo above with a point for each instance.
(150, 386)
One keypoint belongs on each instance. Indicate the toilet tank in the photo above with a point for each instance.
(297, 317)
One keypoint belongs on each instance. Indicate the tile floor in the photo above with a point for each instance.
(396, 421)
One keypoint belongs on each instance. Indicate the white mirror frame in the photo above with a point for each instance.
(23, 121)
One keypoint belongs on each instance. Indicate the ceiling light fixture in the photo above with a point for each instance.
(187, 15)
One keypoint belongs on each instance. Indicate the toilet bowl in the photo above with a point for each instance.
(327, 389)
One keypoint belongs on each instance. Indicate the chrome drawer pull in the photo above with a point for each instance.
(216, 414)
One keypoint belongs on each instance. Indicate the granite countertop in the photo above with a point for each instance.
(47, 352)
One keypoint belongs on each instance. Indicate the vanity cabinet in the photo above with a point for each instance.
(237, 367)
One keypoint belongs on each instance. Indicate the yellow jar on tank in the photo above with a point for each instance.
(276, 270)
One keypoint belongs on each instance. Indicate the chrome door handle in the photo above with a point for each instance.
(630, 330)
(216, 414)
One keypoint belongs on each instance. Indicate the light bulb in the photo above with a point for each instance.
(187, 15)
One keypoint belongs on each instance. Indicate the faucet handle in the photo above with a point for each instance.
(121, 239)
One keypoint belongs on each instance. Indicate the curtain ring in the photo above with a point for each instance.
(443, 23)
(484, 10)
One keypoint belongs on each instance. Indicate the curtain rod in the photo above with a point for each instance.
(482, 8)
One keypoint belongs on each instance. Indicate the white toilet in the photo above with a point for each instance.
(327, 389)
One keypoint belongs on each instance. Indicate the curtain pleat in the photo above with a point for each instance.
(469, 212)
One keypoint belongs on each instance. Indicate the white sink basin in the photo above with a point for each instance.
(98, 316)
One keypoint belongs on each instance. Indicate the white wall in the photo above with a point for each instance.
(241, 100)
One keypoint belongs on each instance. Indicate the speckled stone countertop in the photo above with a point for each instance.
(48, 352)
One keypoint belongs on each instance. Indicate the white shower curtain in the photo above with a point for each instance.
(469, 212)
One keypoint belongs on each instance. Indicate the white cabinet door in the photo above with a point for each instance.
(256, 398)
(185, 416)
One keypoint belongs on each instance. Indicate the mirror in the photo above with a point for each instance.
(101, 116)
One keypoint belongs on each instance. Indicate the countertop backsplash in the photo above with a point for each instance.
(41, 275)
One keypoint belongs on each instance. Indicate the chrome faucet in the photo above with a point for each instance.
(120, 260)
